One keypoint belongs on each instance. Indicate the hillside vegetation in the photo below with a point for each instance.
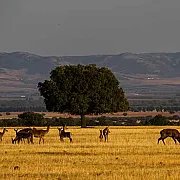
(138, 73)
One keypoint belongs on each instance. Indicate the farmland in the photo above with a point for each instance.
(131, 153)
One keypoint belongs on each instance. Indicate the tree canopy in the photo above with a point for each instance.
(81, 90)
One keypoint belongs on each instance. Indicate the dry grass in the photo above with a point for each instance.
(131, 153)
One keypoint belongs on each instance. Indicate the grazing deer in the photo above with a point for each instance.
(105, 133)
(63, 134)
(101, 134)
(173, 133)
(23, 135)
(40, 133)
(2, 133)
(24, 130)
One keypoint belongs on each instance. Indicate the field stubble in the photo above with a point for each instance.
(131, 153)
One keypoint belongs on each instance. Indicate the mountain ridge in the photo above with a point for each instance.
(23, 70)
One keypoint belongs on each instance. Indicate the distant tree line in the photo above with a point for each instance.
(158, 105)
(22, 105)
(37, 119)
(135, 105)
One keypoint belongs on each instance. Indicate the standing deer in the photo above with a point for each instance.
(173, 133)
(2, 133)
(105, 133)
(23, 135)
(63, 134)
(40, 133)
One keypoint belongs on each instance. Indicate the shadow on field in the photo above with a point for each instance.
(67, 153)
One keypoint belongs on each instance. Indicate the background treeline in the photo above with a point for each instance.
(135, 105)
(158, 105)
(35, 119)
(22, 105)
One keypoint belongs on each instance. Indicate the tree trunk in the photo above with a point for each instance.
(83, 121)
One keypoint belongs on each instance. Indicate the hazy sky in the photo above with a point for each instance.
(84, 27)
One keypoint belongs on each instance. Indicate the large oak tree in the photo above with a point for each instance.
(81, 90)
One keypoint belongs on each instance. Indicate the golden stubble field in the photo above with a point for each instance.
(131, 153)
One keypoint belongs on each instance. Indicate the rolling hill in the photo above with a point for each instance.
(144, 73)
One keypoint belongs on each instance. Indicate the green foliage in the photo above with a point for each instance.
(159, 120)
(83, 90)
(171, 112)
(104, 121)
(9, 122)
(31, 119)
(43, 114)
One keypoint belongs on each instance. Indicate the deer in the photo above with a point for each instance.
(2, 133)
(63, 134)
(105, 133)
(23, 135)
(40, 133)
(26, 130)
(101, 134)
(173, 133)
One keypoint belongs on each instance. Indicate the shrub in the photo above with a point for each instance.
(31, 119)
(159, 120)
(176, 117)
(43, 114)
(171, 112)
(125, 114)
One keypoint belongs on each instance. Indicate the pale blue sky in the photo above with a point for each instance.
(84, 27)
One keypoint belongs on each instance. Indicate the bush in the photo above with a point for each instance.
(43, 114)
(9, 123)
(125, 114)
(171, 112)
(176, 117)
(159, 120)
(31, 119)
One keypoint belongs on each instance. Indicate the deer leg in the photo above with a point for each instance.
(105, 138)
(43, 140)
(40, 140)
(28, 140)
(31, 139)
(61, 139)
(163, 141)
(159, 139)
(174, 139)
(70, 139)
